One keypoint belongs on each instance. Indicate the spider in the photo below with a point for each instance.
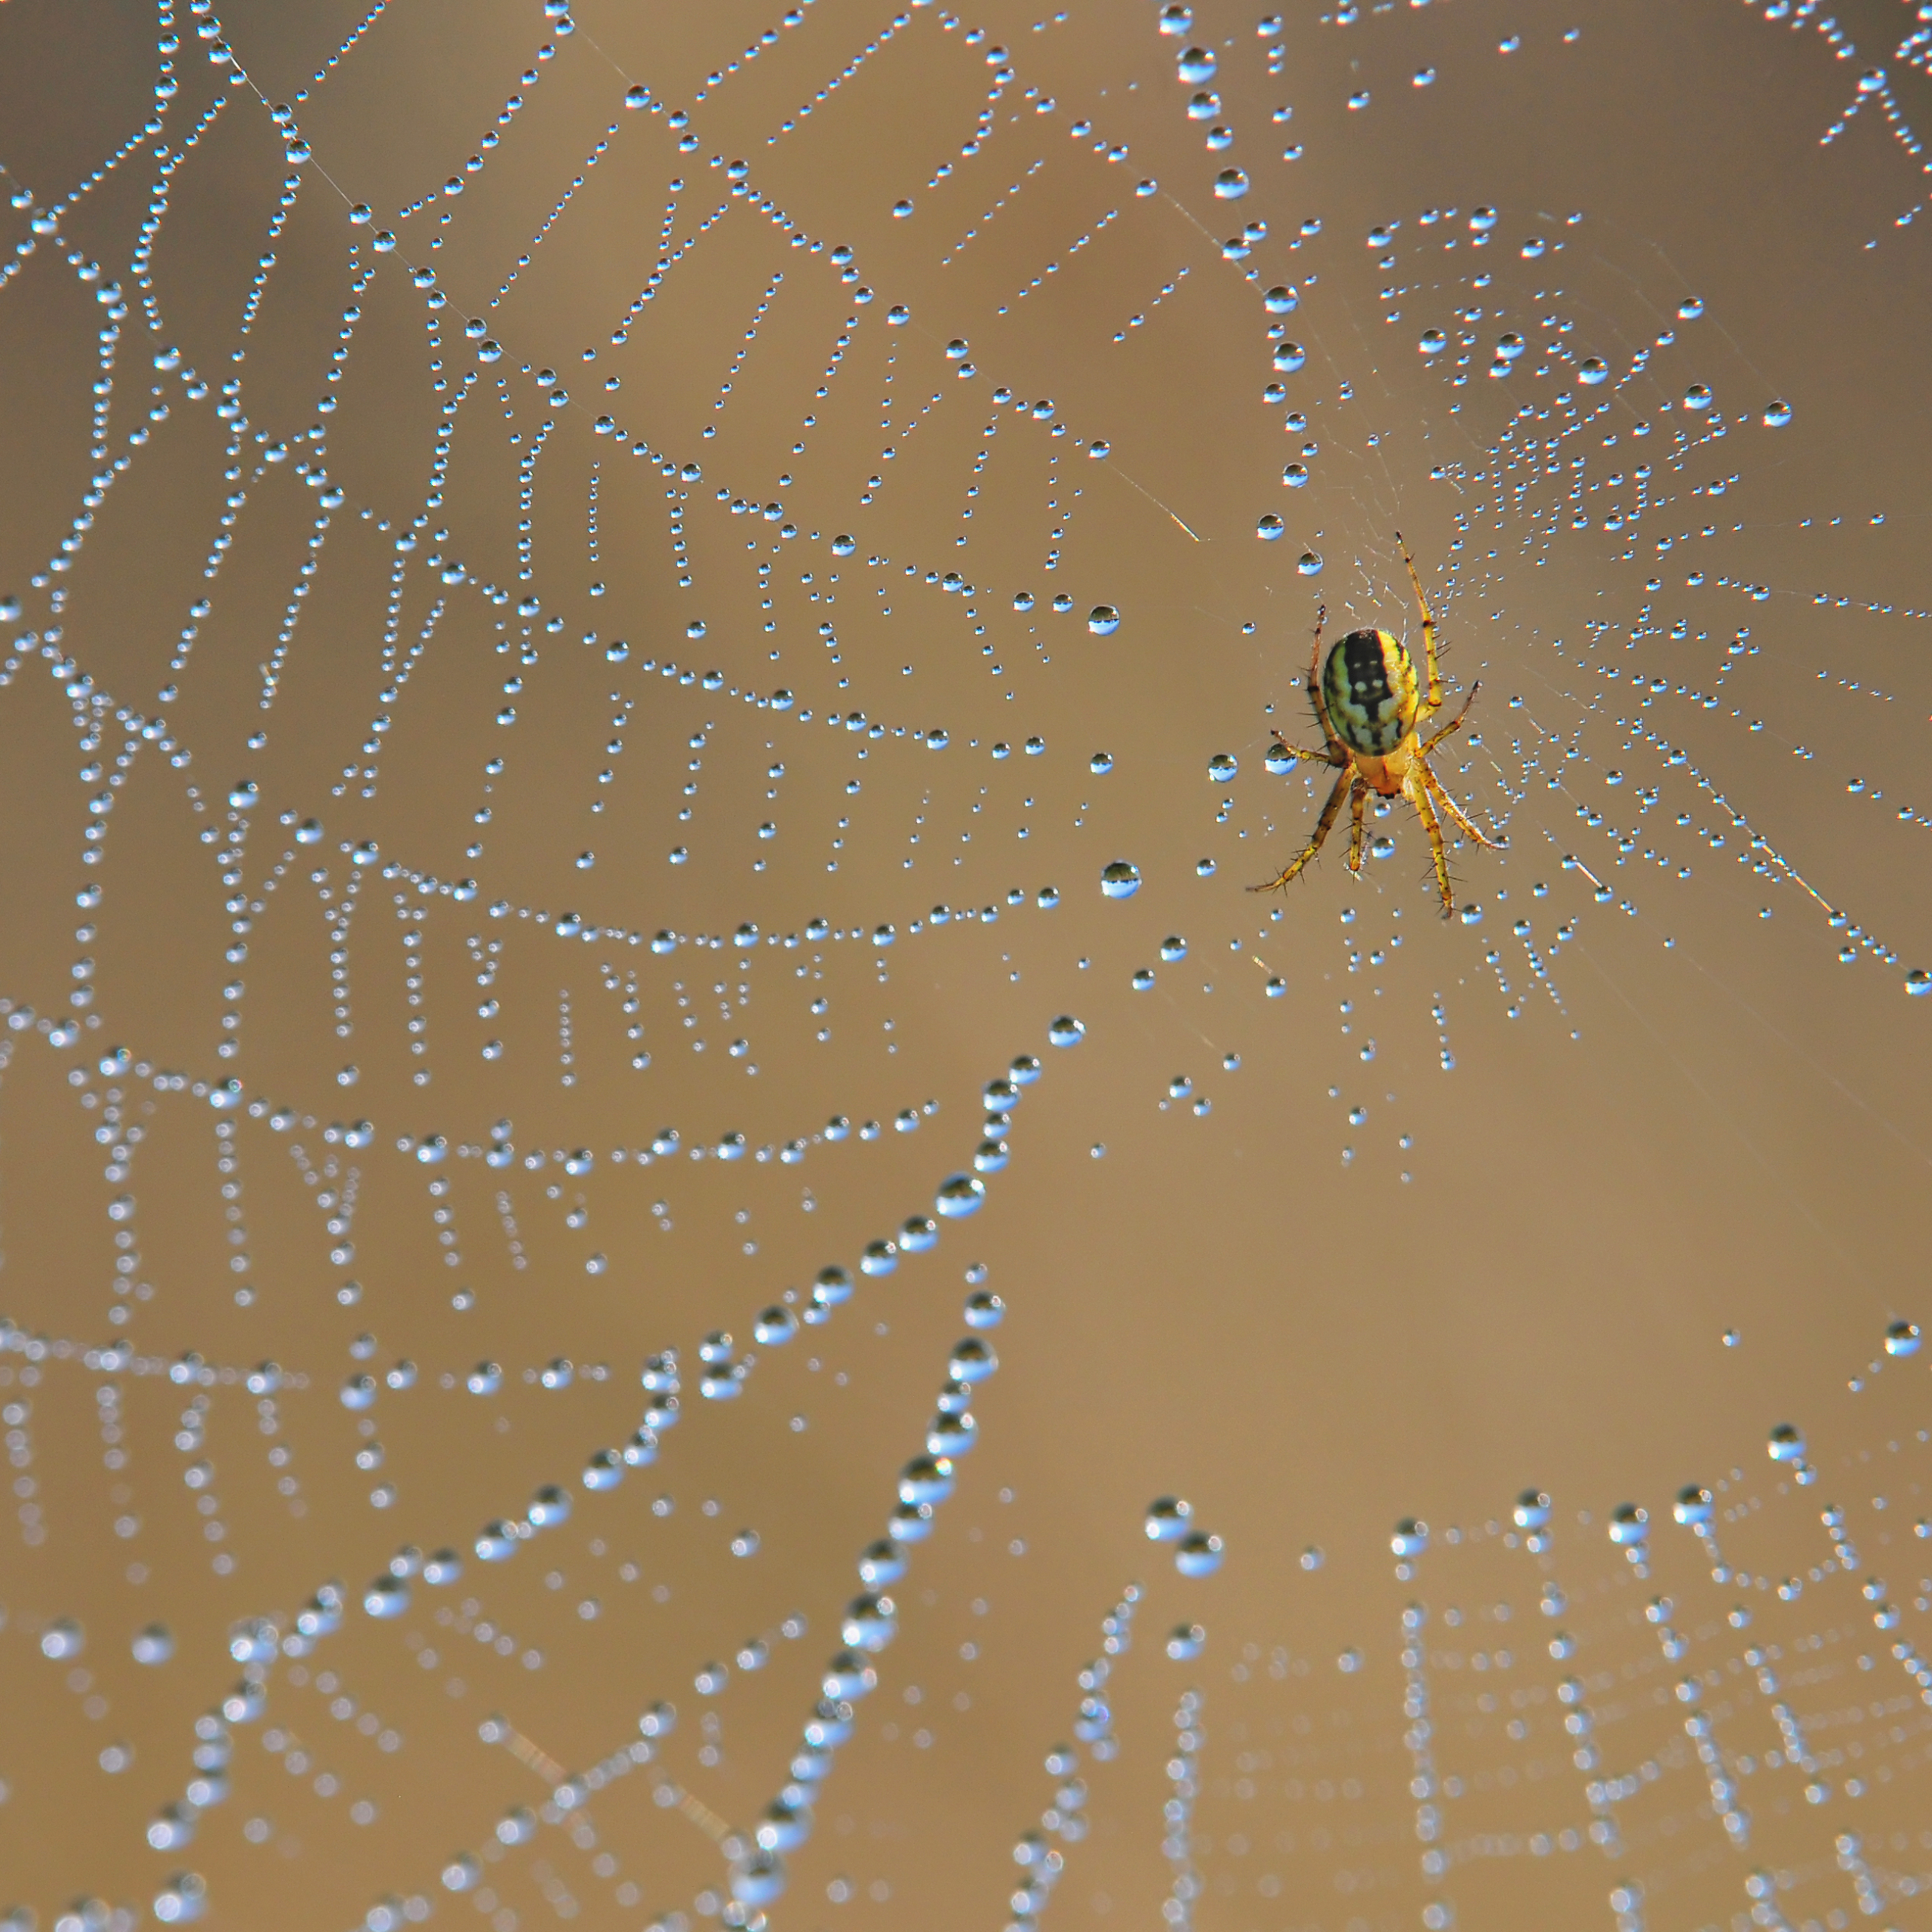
(1366, 701)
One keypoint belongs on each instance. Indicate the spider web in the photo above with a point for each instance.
(654, 616)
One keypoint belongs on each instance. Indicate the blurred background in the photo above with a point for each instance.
(678, 1245)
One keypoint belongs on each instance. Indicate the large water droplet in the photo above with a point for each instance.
(1199, 1555)
(1120, 880)
(961, 1195)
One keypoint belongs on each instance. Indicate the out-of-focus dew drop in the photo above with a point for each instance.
(1167, 1519)
(1185, 1641)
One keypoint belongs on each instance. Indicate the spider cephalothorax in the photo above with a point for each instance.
(1373, 709)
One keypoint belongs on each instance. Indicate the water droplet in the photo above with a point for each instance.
(1786, 1444)
(1693, 1506)
(1433, 342)
(1199, 1555)
(1103, 620)
(1230, 184)
(1186, 1642)
(1593, 370)
(775, 1326)
(1776, 415)
(1308, 563)
(153, 1645)
(1902, 1339)
(1120, 879)
(961, 1195)
(1629, 1525)
(1167, 1519)
(1066, 1031)
(1410, 1538)
(1532, 1510)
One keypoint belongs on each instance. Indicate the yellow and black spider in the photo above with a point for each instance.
(1366, 700)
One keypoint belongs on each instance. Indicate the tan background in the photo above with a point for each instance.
(1524, 1272)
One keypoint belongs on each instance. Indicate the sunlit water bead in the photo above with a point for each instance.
(1198, 1554)
(1168, 1517)
(1902, 1339)
(984, 1309)
(1593, 370)
(1694, 1505)
(63, 1640)
(1186, 1642)
(1531, 1514)
(1630, 1529)
(1103, 620)
(1065, 1030)
(1309, 564)
(1120, 878)
(960, 1194)
(153, 1645)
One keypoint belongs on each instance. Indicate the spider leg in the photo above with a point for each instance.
(1431, 783)
(1454, 725)
(1434, 699)
(1338, 752)
(1426, 813)
(1330, 812)
(1357, 799)
(1278, 749)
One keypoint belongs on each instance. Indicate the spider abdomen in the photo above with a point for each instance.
(1368, 685)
